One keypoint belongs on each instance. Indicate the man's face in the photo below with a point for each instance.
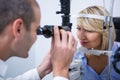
(28, 36)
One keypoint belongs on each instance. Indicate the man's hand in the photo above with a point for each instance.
(63, 47)
(46, 66)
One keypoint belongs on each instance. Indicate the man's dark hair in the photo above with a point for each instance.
(13, 9)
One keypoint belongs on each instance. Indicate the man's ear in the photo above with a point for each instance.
(17, 27)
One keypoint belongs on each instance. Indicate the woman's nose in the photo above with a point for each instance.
(81, 34)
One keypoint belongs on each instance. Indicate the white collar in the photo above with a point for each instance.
(3, 68)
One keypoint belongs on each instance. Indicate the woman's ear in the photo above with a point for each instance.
(17, 27)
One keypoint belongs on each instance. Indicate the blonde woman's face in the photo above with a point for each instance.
(89, 39)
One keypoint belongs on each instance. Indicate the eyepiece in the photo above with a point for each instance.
(48, 30)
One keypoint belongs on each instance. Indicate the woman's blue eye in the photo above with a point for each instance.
(88, 31)
(78, 28)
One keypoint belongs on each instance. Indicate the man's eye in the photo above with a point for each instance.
(38, 30)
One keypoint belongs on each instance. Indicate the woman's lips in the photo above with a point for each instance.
(83, 42)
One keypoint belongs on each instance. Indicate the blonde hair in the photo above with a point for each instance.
(96, 24)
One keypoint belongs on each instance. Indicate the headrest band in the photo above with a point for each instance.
(90, 16)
